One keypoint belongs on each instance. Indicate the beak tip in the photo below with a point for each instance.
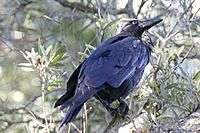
(160, 20)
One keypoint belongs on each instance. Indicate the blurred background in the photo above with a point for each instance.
(43, 41)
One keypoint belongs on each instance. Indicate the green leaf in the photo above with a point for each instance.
(173, 85)
(41, 50)
(180, 50)
(196, 76)
(57, 65)
(58, 54)
(49, 48)
(57, 58)
(52, 54)
(25, 64)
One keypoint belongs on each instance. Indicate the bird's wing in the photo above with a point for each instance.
(111, 64)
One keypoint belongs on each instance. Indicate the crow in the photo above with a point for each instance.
(111, 72)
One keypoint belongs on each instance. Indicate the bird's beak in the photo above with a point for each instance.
(147, 24)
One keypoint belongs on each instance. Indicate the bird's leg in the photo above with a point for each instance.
(123, 108)
(108, 107)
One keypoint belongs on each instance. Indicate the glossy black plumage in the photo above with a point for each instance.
(111, 72)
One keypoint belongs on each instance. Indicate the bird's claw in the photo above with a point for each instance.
(121, 111)
(114, 112)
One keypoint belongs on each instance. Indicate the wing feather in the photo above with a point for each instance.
(113, 67)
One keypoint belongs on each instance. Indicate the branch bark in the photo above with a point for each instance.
(88, 9)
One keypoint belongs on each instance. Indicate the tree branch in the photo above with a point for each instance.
(88, 9)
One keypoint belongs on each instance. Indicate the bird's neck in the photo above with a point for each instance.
(145, 39)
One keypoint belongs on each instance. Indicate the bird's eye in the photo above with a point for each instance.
(135, 22)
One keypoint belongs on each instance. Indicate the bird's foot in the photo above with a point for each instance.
(123, 109)
(120, 111)
(114, 112)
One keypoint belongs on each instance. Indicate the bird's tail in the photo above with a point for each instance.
(63, 99)
(71, 114)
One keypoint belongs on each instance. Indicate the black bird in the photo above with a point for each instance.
(111, 72)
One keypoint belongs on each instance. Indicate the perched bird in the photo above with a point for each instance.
(111, 72)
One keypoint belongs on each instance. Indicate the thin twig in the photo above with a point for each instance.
(84, 128)
(75, 127)
(140, 7)
(43, 83)
(69, 128)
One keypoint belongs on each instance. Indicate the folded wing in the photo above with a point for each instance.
(111, 64)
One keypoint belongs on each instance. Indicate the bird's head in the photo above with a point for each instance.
(137, 27)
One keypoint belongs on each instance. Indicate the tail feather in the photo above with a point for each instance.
(78, 99)
(67, 103)
(71, 114)
(71, 87)
(63, 99)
